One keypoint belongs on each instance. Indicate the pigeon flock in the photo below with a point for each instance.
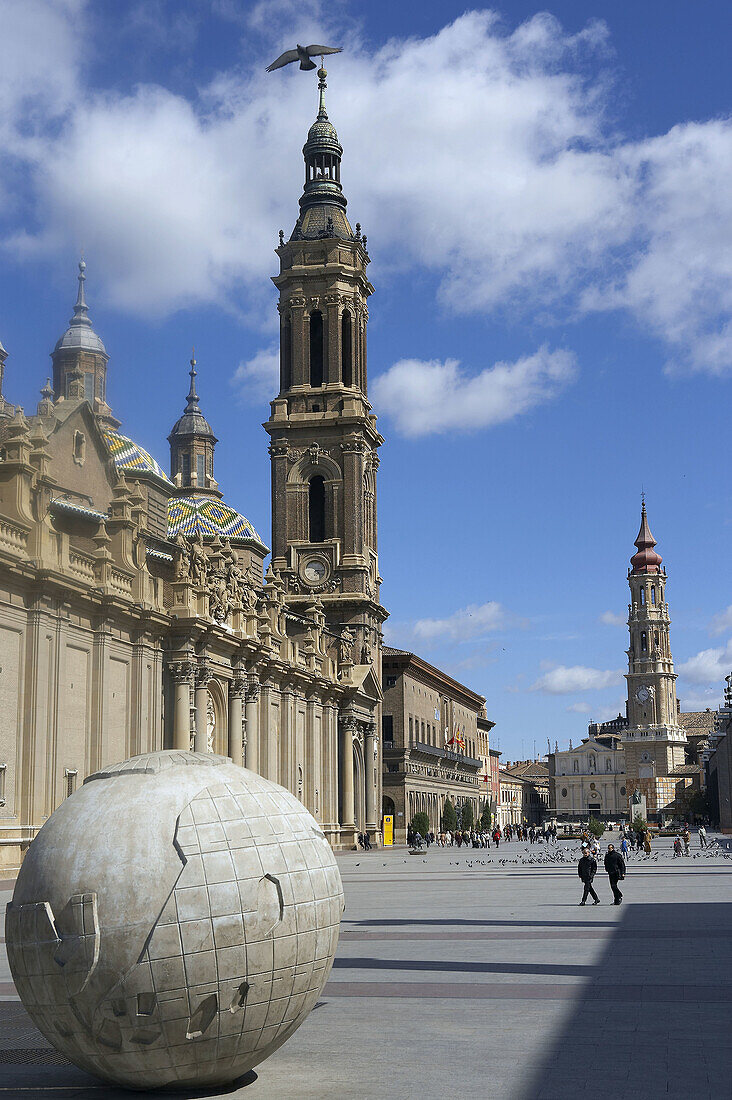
(569, 856)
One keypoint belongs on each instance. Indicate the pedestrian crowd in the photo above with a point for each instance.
(481, 838)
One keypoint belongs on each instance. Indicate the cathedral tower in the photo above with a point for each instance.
(654, 740)
(324, 440)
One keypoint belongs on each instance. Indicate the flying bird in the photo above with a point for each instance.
(303, 55)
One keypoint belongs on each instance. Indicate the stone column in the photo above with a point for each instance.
(252, 695)
(181, 673)
(203, 675)
(348, 728)
(369, 745)
(237, 688)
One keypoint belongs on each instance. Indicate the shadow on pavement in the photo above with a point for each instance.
(672, 1040)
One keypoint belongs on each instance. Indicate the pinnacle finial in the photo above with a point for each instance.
(192, 395)
(322, 74)
(81, 310)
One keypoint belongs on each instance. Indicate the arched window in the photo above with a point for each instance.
(644, 642)
(642, 596)
(346, 349)
(316, 348)
(575, 765)
(286, 368)
(653, 594)
(316, 502)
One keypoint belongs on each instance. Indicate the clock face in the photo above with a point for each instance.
(314, 571)
(643, 694)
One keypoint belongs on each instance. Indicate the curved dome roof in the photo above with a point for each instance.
(130, 456)
(207, 516)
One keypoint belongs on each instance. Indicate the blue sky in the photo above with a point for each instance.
(546, 197)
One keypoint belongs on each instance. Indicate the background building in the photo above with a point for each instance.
(431, 741)
(535, 799)
(589, 780)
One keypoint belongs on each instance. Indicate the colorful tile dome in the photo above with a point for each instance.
(208, 517)
(130, 456)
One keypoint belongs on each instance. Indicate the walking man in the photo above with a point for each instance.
(587, 869)
(702, 837)
(615, 867)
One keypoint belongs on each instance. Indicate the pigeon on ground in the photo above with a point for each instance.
(303, 55)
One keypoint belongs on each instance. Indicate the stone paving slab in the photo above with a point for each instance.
(459, 979)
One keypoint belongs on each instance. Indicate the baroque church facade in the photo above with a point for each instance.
(135, 610)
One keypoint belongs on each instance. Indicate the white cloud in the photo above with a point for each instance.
(425, 398)
(578, 708)
(469, 622)
(721, 622)
(257, 379)
(711, 698)
(609, 618)
(508, 184)
(565, 680)
(710, 666)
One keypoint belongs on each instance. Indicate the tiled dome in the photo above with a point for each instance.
(130, 456)
(208, 517)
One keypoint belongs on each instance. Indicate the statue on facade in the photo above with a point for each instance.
(218, 590)
(345, 647)
(180, 558)
(234, 575)
(197, 563)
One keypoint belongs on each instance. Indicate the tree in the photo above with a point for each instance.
(639, 824)
(597, 828)
(421, 823)
(449, 817)
(467, 817)
(485, 817)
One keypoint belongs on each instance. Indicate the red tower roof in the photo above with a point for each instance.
(646, 560)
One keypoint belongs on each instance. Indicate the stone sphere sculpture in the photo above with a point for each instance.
(174, 921)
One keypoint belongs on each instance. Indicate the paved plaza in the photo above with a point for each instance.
(461, 976)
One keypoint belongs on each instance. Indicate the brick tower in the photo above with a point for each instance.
(654, 740)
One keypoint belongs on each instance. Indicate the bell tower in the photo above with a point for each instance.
(654, 740)
(324, 439)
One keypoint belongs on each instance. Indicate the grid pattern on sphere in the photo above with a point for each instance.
(129, 455)
(258, 905)
(207, 517)
(233, 963)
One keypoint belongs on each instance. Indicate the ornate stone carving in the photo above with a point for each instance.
(238, 687)
(218, 591)
(180, 558)
(203, 675)
(345, 647)
(253, 689)
(197, 562)
(181, 671)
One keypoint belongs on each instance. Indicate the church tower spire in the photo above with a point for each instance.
(192, 445)
(654, 740)
(80, 360)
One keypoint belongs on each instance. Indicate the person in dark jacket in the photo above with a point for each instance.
(615, 867)
(587, 869)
